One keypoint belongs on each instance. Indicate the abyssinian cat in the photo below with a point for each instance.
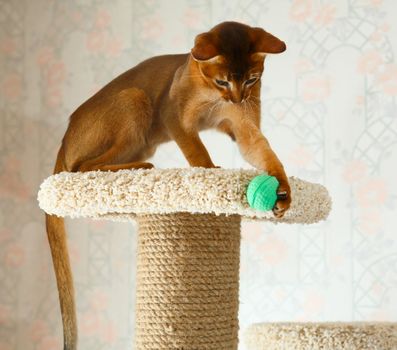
(172, 97)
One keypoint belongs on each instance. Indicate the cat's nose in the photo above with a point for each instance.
(237, 94)
(236, 97)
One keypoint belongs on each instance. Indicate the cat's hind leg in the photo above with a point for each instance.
(101, 164)
(118, 138)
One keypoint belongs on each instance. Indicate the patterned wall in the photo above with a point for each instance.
(329, 110)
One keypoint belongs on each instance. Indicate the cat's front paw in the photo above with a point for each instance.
(283, 198)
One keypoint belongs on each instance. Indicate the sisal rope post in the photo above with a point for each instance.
(187, 282)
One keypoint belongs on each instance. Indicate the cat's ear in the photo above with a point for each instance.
(263, 42)
(204, 48)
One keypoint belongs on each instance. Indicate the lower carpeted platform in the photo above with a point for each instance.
(324, 336)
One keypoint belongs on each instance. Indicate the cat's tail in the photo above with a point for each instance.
(58, 243)
(57, 238)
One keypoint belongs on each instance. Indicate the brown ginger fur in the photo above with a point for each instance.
(166, 98)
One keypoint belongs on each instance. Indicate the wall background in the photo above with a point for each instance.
(329, 110)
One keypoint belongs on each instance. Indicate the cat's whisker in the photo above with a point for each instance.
(206, 104)
(255, 98)
(251, 102)
(244, 108)
(252, 105)
(213, 107)
(222, 104)
(211, 110)
(244, 104)
(251, 108)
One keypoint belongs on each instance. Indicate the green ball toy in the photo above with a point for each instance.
(262, 192)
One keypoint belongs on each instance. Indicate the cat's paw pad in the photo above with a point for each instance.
(283, 202)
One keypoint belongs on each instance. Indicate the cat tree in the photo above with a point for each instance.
(188, 243)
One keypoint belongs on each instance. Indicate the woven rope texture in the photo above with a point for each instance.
(187, 282)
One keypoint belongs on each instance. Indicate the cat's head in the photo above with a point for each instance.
(230, 58)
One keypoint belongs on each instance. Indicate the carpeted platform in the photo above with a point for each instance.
(322, 336)
(122, 194)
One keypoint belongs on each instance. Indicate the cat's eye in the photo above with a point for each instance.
(222, 83)
(251, 81)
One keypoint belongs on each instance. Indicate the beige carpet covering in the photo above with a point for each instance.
(324, 336)
(120, 195)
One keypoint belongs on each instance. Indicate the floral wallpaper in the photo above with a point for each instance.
(329, 110)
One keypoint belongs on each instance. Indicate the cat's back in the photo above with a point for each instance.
(153, 77)
(155, 73)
